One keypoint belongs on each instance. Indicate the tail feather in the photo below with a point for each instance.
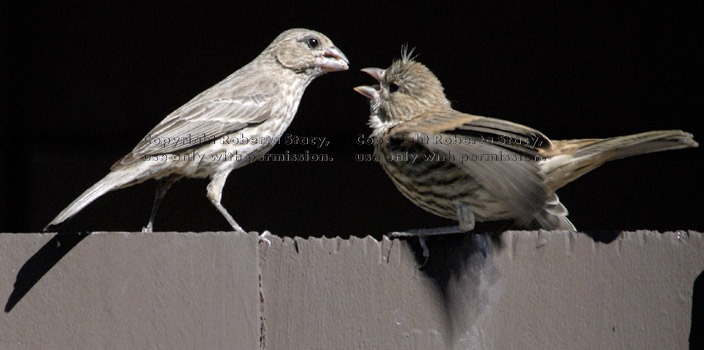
(112, 181)
(626, 146)
(553, 216)
(571, 159)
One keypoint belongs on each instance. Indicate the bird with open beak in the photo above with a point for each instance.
(471, 168)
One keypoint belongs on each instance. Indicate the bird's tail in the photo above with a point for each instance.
(632, 145)
(575, 158)
(114, 180)
(553, 216)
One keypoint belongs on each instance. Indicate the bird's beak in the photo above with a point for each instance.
(376, 73)
(371, 92)
(333, 60)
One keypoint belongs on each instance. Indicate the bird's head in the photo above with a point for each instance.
(307, 51)
(406, 90)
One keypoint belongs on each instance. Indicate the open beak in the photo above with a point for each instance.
(371, 92)
(333, 60)
(376, 73)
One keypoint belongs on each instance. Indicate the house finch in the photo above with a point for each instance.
(225, 127)
(471, 168)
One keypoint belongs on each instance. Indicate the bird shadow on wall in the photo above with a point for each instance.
(461, 267)
(40, 263)
(465, 276)
(696, 333)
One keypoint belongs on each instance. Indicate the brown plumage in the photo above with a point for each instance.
(472, 168)
(212, 134)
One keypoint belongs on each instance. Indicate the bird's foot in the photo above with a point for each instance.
(262, 237)
(423, 233)
(427, 232)
(426, 251)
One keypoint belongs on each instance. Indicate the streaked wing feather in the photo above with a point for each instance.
(512, 176)
(505, 134)
(206, 120)
(512, 136)
(516, 181)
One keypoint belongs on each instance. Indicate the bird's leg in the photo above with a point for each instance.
(162, 187)
(465, 216)
(215, 194)
(423, 232)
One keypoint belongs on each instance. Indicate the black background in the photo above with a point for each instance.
(82, 83)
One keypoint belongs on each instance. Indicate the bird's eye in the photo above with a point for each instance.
(393, 87)
(312, 43)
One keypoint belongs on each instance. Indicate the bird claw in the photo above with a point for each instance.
(427, 232)
(426, 251)
(398, 234)
(262, 237)
(421, 240)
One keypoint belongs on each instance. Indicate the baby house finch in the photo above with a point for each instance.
(471, 168)
(213, 133)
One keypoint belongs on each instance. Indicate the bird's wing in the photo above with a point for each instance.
(205, 119)
(502, 156)
(505, 134)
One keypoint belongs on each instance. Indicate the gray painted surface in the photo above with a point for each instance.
(215, 290)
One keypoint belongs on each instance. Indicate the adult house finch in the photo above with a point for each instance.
(226, 126)
(472, 168)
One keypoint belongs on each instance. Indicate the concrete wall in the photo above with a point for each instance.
(218, 290)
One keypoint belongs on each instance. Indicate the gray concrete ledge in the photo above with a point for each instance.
(222, 290)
